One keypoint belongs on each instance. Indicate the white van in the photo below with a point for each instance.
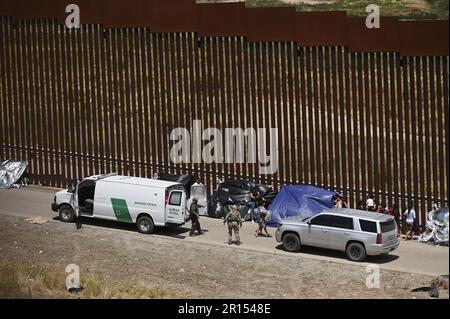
(146, 202)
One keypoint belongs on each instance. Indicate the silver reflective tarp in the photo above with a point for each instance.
(437, 227)
(11, 173)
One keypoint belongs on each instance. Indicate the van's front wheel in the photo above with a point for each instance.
(145, 225)
(66, 214)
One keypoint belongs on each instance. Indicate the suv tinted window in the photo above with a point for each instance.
(388, 226)
(342, 222)
(322, 220)
(368, 226)
(333, 221)
(175, 199)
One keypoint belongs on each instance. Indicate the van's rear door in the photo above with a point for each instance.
(198, 191)
(388, 232)
(175, 205)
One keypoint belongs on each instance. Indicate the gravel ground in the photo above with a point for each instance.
(195, 270)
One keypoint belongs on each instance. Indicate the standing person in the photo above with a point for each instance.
(262, 222)
(360, 204)
(234, 221)
(410, 218)
(195, 216)
(339, 202)
(254, 197)
(370, 203)
(382, 209)
(395, 211)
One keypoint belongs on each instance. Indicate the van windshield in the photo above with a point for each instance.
(388, 226)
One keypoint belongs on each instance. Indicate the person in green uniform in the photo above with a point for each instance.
(195, 216)
(234, 220)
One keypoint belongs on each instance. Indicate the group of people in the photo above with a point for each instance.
(234, 219)
(408, 217)
(338, 201)
(260, 215)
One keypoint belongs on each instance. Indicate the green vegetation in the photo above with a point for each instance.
(406, 9)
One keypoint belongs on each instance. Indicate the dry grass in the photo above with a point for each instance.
(28, 281)
(407, 9)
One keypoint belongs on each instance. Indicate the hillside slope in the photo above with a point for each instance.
(406, 9)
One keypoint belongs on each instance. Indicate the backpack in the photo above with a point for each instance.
(234, 215)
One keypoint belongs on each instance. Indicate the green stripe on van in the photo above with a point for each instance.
(121, 211)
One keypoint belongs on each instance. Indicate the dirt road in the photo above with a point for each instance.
(411, 256)
(203, 266)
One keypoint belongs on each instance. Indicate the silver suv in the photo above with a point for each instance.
(356, 232)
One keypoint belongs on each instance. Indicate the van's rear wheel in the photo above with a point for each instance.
(66, 214)
(291, 243)
(145, 225)
(356, 252)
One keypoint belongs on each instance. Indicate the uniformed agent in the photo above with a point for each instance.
(234, 221)
(195, 216)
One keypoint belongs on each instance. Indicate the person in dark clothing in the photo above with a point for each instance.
(195, 216)
(360, 205)
(253, 204)
(395, 211)
(382, 209)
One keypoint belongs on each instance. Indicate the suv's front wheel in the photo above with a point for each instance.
(291, 243)
(356, 252)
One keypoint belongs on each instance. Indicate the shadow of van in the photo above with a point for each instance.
(174, 231)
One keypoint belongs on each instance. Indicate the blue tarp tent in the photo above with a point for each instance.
(299, 200)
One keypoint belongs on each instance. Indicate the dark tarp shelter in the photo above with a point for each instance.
(237, 192)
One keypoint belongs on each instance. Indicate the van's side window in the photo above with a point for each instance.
(175, 198)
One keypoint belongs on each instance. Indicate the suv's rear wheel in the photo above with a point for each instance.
(145, 225)
(356, 252)
(291, 243)
(66, 214)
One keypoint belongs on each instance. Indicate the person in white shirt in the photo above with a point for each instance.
(410, 218)
(370, 204)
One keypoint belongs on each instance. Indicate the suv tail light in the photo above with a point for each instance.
(167, 200)
(379, 238)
